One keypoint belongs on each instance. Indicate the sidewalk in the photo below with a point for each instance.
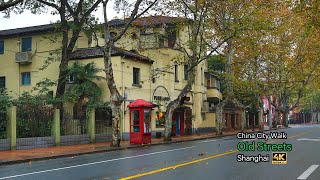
(29, 155)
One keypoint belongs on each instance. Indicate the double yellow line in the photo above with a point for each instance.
(199, 160)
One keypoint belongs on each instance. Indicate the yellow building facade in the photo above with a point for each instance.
(148, 64)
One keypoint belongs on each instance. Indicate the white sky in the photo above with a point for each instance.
(28, 19)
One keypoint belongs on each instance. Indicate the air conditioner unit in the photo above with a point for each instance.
(23, 57)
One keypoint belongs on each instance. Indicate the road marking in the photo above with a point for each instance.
(306, 139)
(307, 173)
(93, 163)
(200, 160)
(249, 140)
(208, 141)
(178, 165)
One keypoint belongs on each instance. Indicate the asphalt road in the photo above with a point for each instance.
(203, 159)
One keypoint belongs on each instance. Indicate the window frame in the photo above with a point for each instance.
(186, 67)
(4, 87)
(1, 46)
(136, 76)
(176, 73)
(22, 78)
(28, 42)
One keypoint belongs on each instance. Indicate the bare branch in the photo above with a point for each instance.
(6, 5)
(89, 11)
(49, 4)
(134, 15)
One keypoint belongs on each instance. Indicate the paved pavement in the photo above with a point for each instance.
(212, 158)
(18, 156)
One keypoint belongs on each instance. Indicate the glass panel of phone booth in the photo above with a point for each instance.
(147, 120)
(135, 121)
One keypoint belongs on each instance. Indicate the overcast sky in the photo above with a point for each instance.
(28, 19)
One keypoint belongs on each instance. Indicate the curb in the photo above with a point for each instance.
(111, 149)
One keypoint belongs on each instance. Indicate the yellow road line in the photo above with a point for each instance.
(199, 160)
(178, 165)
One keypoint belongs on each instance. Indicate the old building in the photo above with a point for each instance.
(148, 64)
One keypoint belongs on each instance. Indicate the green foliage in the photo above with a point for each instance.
(83, 86)
(5, 101)
(34, 115)
(217, 63)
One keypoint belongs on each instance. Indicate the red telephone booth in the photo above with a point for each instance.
(140, 121)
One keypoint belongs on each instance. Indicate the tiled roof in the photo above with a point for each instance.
(28, 30)
(157, 20)
(143, 21)
(95, 52)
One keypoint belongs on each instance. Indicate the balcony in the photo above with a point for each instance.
(213, 94)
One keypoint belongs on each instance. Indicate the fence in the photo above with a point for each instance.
(34, 123)
(103, 124)
(4, 141)
(30, 128)
(74, 128)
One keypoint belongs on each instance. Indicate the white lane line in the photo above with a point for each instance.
(307, 139)
(249, 140)
(93, 163)
(307, 173)
(208, 141)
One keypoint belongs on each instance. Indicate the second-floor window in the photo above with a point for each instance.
(25, 78)
(2, 83)
(172, 36)
(136, 76)
(26, 44)
(1, 47)
(185, 72)
(176, 73)
(71, 78)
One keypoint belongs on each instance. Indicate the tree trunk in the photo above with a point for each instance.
(115, 98)
(270, 113)
(229, 69)
(168, 119)
(276, 118)
(173, 105)
(285, 118)
(260, 117)
(244, 120)
(219, 111)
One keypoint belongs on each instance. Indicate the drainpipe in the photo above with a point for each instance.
(124, 103)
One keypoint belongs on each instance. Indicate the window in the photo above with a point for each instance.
(161, 41)
(201, 75)
(71, 78)
(25, 78)
(160, 119)
(176, 73)
(185, 72)
(26, 44)
(217, 84)
(171, 36)
(136, 76)
(50, 94)
(2, 83)
(1, 47)
(147, 120)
